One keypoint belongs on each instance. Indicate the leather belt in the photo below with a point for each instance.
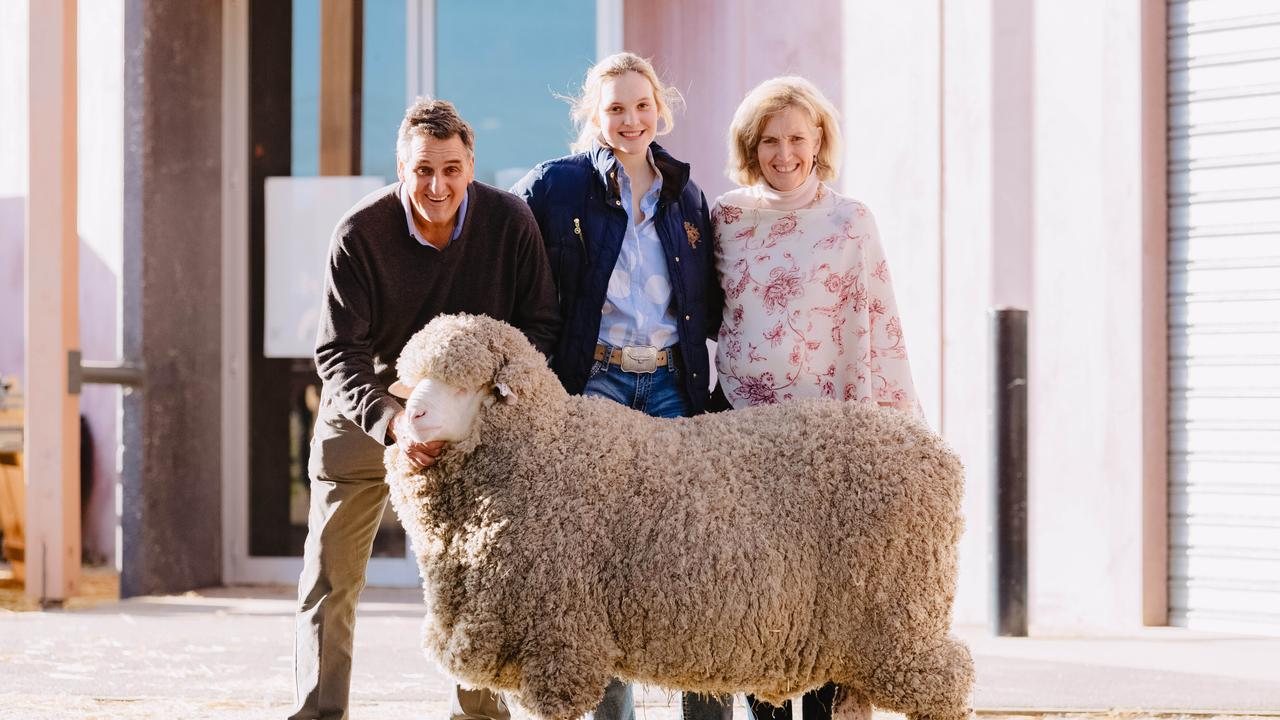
(635, 358)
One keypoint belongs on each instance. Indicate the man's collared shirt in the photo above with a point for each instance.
(637, 308)
(413, 226)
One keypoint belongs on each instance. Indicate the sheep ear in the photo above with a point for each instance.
(502, 390)
(504, 393)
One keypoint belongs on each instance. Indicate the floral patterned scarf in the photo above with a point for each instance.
(809, 307)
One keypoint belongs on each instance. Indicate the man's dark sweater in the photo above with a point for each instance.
(382, 286)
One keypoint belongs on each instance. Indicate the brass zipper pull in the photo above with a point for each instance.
(577, 230)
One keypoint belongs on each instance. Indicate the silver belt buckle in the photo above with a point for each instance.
(640, 358)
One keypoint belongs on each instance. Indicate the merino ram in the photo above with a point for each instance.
(564, 540)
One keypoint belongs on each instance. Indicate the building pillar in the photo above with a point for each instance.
(340, 50)
(171, 516)
(51, 450)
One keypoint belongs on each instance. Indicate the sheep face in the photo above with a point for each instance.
(438, 411)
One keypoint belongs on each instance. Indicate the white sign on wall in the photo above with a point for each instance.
(301, 213)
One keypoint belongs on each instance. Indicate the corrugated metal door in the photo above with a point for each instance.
(1224, 315)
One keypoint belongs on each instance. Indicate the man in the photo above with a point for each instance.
(435, 242)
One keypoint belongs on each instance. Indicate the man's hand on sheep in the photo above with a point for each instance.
(419, 454)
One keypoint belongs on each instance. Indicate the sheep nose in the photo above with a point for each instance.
(418, 415)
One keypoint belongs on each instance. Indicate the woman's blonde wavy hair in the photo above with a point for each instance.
(767, 98)
(584, 106)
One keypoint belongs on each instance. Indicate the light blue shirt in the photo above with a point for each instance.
(413, 226)
(637, 308)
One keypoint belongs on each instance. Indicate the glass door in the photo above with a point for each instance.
(315, 94)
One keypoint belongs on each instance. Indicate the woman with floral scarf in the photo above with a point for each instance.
(809, 308)
(808, 301)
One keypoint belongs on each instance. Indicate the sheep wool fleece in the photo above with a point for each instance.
(569, 539)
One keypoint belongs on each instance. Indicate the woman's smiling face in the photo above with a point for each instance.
(787, 149)
(628, 114)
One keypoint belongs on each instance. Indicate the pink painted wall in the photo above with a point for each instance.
(100, 56)
(12, 212)
(100, 404)
(968, 285)
(716, 51)
(1012, 152)
(100, 219)
(892, 132)
(98, 332)
(1098, 381)
(1046, 192)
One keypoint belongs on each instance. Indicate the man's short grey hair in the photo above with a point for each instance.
(439, 119)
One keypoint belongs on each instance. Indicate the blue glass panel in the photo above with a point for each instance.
(500, 62)
(383, 86)
(305, 155)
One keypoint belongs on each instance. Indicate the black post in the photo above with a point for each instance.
(1009, 470)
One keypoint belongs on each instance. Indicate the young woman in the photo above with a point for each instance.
(628, 235)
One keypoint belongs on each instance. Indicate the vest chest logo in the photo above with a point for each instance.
(692, 233)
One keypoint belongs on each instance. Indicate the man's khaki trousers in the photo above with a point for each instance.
(348, 495)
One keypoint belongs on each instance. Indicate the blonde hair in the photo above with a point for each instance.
(585, 105)
(773, 96)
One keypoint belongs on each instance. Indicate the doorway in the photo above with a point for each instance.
(313, 95)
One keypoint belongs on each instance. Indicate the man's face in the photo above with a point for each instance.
(436, 173)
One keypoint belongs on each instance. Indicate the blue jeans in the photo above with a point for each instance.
(658, 394)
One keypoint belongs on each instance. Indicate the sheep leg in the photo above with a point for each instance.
(559, 685)
(931, 684)
(850, 704)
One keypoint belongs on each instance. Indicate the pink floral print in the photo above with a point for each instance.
(774, 335)
(783, 227)
(805, 318)
(757, 390)
(784, 284)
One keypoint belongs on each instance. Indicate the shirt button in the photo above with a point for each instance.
(695, 374)
(677, 258)
(686, 317)
(617, 202)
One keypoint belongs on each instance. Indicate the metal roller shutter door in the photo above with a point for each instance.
(1224, 315)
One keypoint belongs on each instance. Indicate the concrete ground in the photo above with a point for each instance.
(226, 653)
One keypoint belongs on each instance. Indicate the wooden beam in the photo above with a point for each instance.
(338, 25)
(51, 434)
